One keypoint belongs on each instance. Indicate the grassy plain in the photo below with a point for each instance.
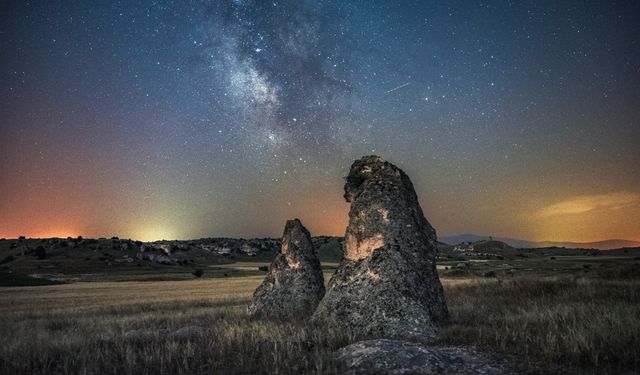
(578, 323)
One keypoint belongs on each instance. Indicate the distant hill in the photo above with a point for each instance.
(484, 249)
(460, 238)
(329, 249)
(487, 246)
(600, 245)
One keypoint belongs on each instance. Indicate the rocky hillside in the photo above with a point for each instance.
(71, 258)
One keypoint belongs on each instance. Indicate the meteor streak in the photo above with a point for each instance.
(397, 88)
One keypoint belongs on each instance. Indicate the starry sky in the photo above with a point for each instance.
(187, 119)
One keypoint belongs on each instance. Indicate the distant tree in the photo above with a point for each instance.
(41, 253)
(198, 273)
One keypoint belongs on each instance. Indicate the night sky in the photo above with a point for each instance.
(187, 119)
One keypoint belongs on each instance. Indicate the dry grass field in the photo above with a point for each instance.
(127, 328)
(551, 324)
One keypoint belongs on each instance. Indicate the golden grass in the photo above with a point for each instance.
(86, 328)
(116, 327)
(96, 295)
(550, 323)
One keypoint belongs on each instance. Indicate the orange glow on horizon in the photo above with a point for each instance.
(45, 233)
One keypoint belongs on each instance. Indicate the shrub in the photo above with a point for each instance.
(41, 253)
(7, 259)
(456, 272)
(198, 273)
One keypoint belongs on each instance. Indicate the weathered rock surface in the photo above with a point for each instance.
(294, 285)
(386, 284)
(401, 357)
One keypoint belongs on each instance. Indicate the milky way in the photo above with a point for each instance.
(182, 119)
(278, 61)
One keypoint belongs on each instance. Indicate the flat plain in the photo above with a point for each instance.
(543, 313)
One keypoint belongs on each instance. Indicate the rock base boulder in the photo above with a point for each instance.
(400, 357)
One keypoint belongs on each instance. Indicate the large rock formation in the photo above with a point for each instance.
(400, 357)
(294, 284)
(387, 283)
